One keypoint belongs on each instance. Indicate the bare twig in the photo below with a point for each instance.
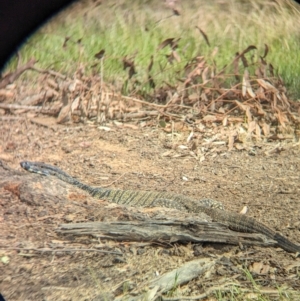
(60, 250)
(28, 108)
(7, 118)
(19, 107)
(51, 72)
(116, 180)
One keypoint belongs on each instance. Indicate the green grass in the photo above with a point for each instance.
(120, 29)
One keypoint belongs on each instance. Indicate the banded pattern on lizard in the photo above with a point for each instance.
(212, 208)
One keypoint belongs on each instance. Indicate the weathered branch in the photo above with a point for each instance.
(191, 229)
(51, 111)
(11, 77)
(185, 273)
(51, 72)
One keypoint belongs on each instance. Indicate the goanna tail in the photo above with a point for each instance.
(242, 223)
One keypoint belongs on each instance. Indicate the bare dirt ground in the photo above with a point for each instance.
(136, 158)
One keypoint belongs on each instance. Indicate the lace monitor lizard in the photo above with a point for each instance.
(214, 209)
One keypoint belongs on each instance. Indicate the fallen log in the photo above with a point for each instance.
(170, 229)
